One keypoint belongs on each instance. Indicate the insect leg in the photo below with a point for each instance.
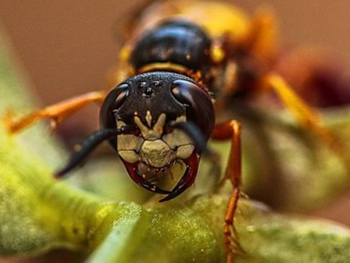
(231, 130)
(304, 114)
(56, 112)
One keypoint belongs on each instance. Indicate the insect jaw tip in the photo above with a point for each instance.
(171, 195)
(167, 198)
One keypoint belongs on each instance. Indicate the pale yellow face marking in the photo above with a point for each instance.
(154, 148)
(154, 133)
(148, 118)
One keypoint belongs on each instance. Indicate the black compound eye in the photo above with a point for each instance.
(120, 93)
(113, 101)
(200, 108)
(183, 91)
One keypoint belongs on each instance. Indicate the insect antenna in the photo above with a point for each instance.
(200, 142)
(87, 146)
(196, 135)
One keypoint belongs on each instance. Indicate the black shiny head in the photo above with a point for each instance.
(156, 93)
(179, 42)
(154, 121)
(167, 118)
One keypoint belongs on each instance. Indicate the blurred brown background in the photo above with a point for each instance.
(67, 46)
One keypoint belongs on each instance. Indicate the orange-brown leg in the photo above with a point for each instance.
(56, 112)
(231, 130)
(303, 113)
